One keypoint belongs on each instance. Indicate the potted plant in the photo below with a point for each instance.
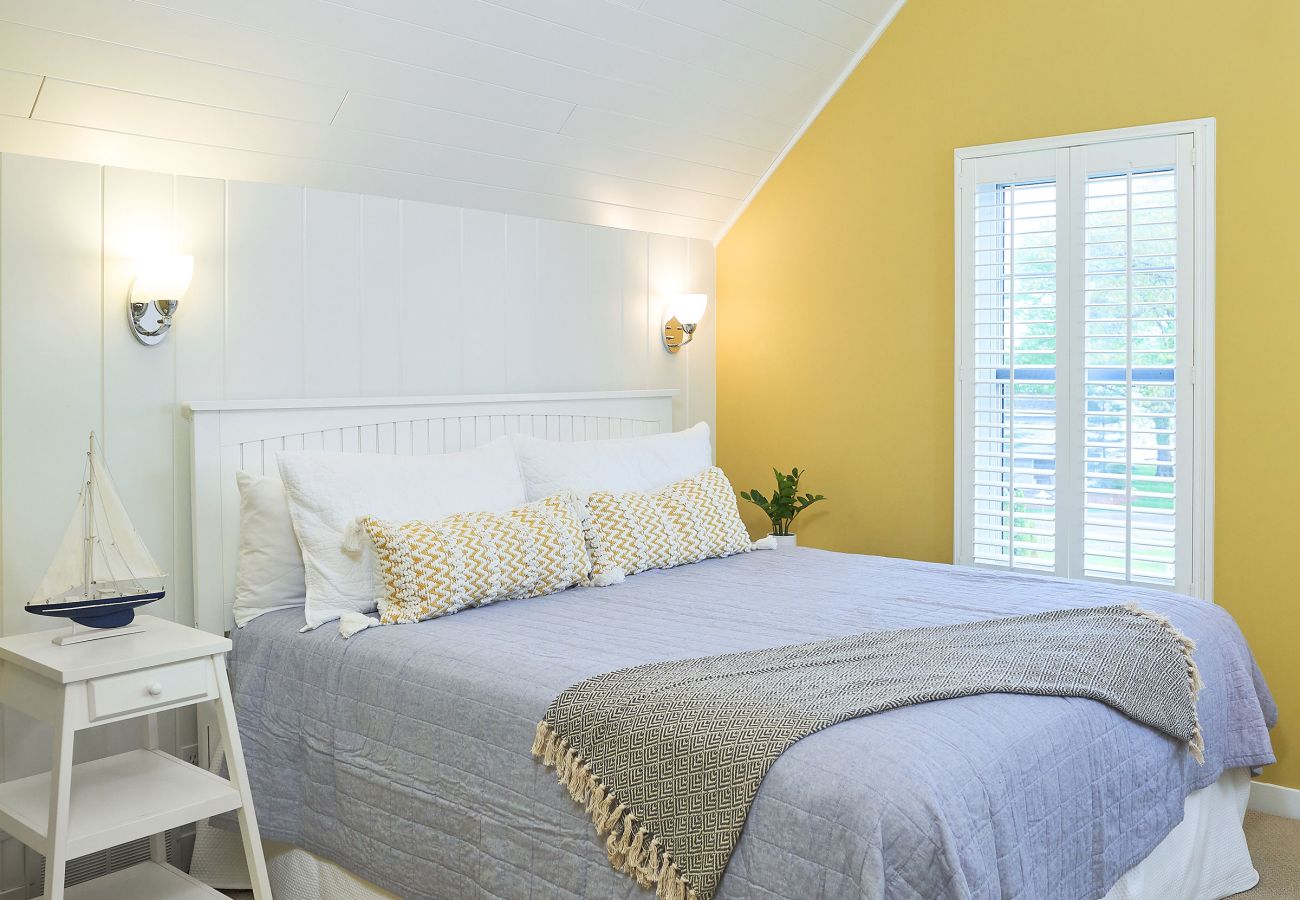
(783, 506)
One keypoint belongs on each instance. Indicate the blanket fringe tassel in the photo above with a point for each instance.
(1188, 647)
(630, 847)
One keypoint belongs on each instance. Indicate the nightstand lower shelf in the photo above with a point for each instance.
(116, 799)
(147, 881)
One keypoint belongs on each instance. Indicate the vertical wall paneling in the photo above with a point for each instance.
(668, 276)
(483, 324)
(139, 383)
(602, 313)
(264, 303)
(331, 282)
(52, 357)
(635, 348)
(702, 353)
(521, 299)
(198, 344)
(50, 326)
(431, 292)
(560, 331)
(381, 293)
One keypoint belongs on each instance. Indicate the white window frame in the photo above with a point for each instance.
(1202, 132)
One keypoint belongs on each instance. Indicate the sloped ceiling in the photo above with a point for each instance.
(659, 115)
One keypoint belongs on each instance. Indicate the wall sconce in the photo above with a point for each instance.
(160, 283)
(684, 314)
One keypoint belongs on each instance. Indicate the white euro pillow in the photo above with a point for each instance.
(619, 465)
(269, 573)
(328, 491)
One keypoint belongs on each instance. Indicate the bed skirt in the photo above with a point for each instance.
(1204, 858)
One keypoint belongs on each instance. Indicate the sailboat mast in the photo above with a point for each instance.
(89, 547)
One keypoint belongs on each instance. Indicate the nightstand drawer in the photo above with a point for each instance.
(116, 695)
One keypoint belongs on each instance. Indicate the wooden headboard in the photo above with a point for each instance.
(230, 436)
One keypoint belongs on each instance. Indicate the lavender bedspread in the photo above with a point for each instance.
(403, 754)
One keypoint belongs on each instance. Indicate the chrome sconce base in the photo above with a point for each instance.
(150, 321)
(677, 335)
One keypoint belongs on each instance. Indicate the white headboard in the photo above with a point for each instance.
(230, 436)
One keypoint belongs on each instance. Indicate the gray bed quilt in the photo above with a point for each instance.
(403, 754)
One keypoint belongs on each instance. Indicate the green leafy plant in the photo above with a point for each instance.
(784, 505)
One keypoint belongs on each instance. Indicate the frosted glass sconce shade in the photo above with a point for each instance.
(684, 314)
(160, 283)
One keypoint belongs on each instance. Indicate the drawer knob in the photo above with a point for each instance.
(154, 689)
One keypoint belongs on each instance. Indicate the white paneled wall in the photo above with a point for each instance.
(296, 292)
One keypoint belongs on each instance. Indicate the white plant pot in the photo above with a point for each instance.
(785, 541)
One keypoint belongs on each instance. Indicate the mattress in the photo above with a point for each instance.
(402, 754)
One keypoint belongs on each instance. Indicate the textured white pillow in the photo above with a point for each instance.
(618, 465)
(269, 573)
(328, 491)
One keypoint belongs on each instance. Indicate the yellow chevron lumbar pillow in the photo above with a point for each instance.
(432, 569)
(685, 522)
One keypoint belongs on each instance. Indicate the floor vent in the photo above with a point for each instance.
(93, 865)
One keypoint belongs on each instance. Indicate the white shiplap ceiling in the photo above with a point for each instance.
(659, 115)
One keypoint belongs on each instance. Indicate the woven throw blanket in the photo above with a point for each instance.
(668, 756)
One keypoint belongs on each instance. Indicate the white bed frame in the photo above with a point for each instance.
(233, 436)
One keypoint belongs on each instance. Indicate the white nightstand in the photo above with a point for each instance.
(78, 809)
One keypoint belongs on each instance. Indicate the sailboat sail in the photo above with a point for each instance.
(119, 555)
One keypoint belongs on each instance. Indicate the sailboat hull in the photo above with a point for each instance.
(100, 612)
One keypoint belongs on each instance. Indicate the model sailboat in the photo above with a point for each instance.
(97, 578)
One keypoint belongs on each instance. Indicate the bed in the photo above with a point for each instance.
(400, 758)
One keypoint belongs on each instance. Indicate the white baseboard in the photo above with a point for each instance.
(1275, 800)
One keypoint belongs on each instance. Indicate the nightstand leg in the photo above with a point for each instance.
(224, 707)
(157, 842)
(56, 859)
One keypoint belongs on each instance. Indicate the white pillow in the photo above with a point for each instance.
(328, 491)
(618, 465)
(269, 573)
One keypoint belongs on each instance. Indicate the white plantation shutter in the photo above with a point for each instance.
(1014, 383)
(1136, 359)
(1076, 414)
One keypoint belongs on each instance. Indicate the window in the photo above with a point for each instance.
(1084, 377)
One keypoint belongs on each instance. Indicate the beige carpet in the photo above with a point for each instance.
(1275, 850)
(1274, 847)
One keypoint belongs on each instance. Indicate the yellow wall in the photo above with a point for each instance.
(835, 289)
